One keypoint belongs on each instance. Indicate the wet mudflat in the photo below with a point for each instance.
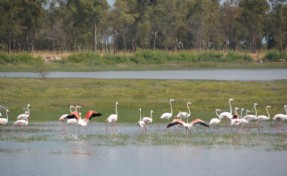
(48, 149)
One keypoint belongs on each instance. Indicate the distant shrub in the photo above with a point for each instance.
(237, 57)
(110, 58)
(275, 56)
(89, 58)
(19, 58)
(150, 56)
(210, 56)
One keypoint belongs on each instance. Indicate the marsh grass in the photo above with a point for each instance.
(51, 98)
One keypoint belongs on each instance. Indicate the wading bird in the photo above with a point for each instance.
(112, 119)
(280, 117)
(148, 120)
(250, 117)
(64, 116)
(21, 122)
(262, 118)
(215, 121)
(168, 115)
(187, 126)
(25, 115)
(89, 115)
(4, 121)
(141, 123)
(227, 114)
(184, 115)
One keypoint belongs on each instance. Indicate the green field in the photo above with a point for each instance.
(49, 98)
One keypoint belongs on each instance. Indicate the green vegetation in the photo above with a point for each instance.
(275, 56)
(139, 60)
(49, 98)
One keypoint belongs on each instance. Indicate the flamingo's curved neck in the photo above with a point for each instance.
(255, 109)
(170, 106)
(216, 112)
(28, 109)
(140, 114)
(268, 115)
(188, 109)
(230, 106)
(241, 115)
(285, 107)
(7, 114)
(116, 109)
(71, 108)
(151, 114)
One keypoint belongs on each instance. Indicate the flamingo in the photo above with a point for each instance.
(244, 121)
(64, 116)
(4, 121)
(141, 123)
(73, 117)
(262, 118)
(89, 115)
(236, 115)
(113, 117)
(168, 115)
(280, 117)
(148, 120)
(250, 117)
(184, 115)
(25, 115)
(215, 121)
(21, 122)
(237, 120)
(187, 126)
(227, 114)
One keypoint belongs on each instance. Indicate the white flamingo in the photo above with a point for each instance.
(250, 117)
(215, 121)
(237, 120)
(187, 126)
(64, 116)
(25, 115)
(227, 114)
(4, 121)
(112, 119)
(184, 115)
(148, 120)
(21, 122)
(244, 121)
(141, 123)
(168, 115)
(280, 117)
(262, 118)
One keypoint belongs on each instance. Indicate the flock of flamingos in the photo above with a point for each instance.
(182, 118)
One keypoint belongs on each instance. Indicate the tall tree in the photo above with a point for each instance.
(253, 15)
(276, 27)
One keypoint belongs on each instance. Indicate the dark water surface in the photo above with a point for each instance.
(227, 75)
(44, 149)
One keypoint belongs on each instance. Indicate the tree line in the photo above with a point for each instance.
(80, 25)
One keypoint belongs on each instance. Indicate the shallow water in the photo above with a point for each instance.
(222, 74)
(45, 149)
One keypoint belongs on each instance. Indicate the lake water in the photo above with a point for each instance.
(225, 74)
(44, 149)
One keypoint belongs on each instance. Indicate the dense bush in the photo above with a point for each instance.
(210, 56)
(233, 56)
(275, 56)
(19, 58)
(89, 58)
